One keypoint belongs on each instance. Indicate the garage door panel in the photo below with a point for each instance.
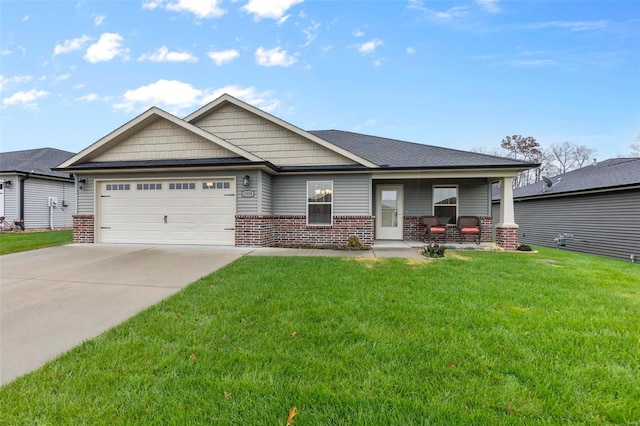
(193, 215)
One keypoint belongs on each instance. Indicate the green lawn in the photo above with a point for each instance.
(476, 338)
(13, 242)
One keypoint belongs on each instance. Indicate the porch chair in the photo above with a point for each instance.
(433, 227)
(469, 225)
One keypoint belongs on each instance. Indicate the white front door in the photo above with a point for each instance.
(389, 212)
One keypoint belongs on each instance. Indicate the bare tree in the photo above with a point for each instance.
(635, 147)
(568, 156)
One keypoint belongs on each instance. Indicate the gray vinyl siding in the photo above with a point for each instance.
(473, 195)
(266, 191)
(11, 198)
(36, 208)
(244, 205)
(606, 224)
(351, 194)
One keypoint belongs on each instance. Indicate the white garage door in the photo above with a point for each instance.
(182, 211)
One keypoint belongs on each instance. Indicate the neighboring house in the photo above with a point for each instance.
(598, 204)
(232, 174)
(27, 183)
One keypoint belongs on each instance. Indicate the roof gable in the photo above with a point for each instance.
(185, 139)
(39, 161)
(269, 137)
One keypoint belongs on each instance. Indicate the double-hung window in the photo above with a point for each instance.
(319, 202)
(445, 203)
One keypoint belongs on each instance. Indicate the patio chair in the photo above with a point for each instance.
(469, 225)
(433, 227)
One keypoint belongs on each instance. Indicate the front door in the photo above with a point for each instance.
(389, 212)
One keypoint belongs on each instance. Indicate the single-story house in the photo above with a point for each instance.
(32, 193)
(232, 174)
(597, 205)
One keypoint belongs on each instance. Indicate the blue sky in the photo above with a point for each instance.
(456, 74)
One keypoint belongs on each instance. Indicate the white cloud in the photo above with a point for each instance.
(163, 55)
(61, 77)
(311, 32)
(283, 19)
(326, 48)
(274, 9)
(108, 47)
(5, 52)
(410, 50)
(274, 57)
(223, 56)
(573, 26)
(357, 33)
(20, 79)
(26, 99)
(151, 4)
(71, 45)
(92, 97)
(98, 19)
(176, 96)
(25, 18)
(200, 8)
(369, 46)
(490, 6)
(530, 63)
(451, 13)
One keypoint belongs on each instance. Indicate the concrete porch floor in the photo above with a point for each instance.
(395, 245)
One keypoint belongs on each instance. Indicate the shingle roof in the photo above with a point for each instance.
(614, 173)
(38, 161)
(400, 154)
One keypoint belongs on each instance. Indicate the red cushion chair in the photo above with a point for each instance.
(433, 228)
(469, 225)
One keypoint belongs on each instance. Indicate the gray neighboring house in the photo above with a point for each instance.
(232, 174)
(598, 204)
(28, 183)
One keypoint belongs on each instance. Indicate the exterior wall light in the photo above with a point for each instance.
(81, 183)
(7, 184)
(245, 180)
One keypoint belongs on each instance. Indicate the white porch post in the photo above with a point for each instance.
(507, 217)
(507, 230)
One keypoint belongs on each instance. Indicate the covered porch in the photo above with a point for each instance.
(401, 200)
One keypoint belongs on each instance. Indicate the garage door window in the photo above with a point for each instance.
(216, 185)
(182, 185)
(149, 187)
(118, 187)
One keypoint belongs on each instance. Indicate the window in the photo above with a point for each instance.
(216, 185)
(149, 186)
(319, 202)
(182, 185)
(118, 187)
(445, 203)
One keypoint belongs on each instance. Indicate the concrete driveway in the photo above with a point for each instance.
(53, 299)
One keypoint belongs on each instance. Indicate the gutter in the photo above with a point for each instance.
(22, 185)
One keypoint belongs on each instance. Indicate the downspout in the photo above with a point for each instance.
(22, 180)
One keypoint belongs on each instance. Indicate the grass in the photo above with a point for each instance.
(475, 338)
(15, 242)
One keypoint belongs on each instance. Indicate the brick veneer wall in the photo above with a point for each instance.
(260, 231)
(507, 238)
(413, 230)
(83, 228)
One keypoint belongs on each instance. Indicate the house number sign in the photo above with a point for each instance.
(248, 194)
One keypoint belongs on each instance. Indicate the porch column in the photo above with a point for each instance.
(507, 229)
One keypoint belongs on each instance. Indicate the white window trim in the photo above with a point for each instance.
(306, 194)
(433, 199)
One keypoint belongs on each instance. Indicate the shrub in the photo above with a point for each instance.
(524, 247)
(354, 242)
(434, 250)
